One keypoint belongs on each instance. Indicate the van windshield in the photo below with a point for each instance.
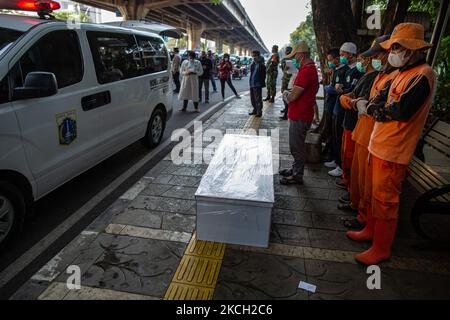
(7, 37)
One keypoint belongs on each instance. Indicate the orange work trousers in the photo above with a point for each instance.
(347, 153)
(387, 178)
(357, 180)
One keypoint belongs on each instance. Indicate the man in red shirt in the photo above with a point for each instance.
(302, 100)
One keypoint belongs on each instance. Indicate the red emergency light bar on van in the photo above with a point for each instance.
(30, 5)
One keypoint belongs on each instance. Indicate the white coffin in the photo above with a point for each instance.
(236, 194)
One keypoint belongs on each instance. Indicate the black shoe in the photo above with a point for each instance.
(345, 199)
(287, 181)
(272, 100)
(283, 111)
(340, 183)
(238, 97)
(259, 115)
(283, 118)
(352, 223)
(266, 99)
(253, 113)
(286, 173)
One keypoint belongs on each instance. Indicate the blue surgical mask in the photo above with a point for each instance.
(377, 64)
(331, 65)
(361, 68)
(343, 60)
(295, 63)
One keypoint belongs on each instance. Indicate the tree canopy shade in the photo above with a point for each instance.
(305, 32)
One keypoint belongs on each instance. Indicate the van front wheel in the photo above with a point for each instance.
(155, 129)
(12, 212)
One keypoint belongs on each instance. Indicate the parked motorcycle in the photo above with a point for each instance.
(245, 70)
(237, 73)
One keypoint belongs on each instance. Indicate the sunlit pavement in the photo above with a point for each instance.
(133, 250)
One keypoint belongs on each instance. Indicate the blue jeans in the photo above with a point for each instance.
(213, 82)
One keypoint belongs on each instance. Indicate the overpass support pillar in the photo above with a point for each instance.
(194, 36)
(232, 48)
(219, 45)
(134, 10)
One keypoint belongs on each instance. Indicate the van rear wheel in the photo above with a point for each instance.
(12, 212)
(155, 129)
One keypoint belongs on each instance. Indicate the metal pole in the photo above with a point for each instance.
(439, 29)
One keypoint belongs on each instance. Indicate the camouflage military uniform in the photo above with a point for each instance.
(272, 75)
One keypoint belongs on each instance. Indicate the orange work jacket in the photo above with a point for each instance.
(364, 127)
(396, 141)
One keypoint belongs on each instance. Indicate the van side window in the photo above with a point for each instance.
(116, 56)
(57, 52)
(4, 90)
(154, 54)
(12, 80)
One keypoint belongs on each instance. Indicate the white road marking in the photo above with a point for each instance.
(50, 272)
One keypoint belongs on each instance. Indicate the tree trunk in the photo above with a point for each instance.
(395, 13)
(357, 9)
(333, 25)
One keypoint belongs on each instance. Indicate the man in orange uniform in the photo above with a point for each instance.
(348, 102)
(380, 74)
(395, 136)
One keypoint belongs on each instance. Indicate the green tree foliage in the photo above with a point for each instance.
(305, 32)
(65, 15)
(441, 107)
(180, 43)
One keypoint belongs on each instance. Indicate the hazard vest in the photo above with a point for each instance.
(364, 127)
(396, 141)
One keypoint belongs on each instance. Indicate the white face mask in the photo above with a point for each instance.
(398, 60)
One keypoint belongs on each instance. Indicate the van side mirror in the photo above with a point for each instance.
(37, 85)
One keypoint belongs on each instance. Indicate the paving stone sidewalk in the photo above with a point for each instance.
(134, 248)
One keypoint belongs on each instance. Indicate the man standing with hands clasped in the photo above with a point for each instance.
(301, 102)
(257, 82)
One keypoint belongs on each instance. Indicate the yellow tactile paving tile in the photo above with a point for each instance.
(206, 249)
(178, 291)
(198, 271)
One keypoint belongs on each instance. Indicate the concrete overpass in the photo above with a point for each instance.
(224, 23)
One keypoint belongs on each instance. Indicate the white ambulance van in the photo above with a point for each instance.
(70, 97)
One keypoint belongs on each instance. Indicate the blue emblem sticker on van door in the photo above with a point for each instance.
(67, 127)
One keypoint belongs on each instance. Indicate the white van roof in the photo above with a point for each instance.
(25, 23)
(19, 23)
